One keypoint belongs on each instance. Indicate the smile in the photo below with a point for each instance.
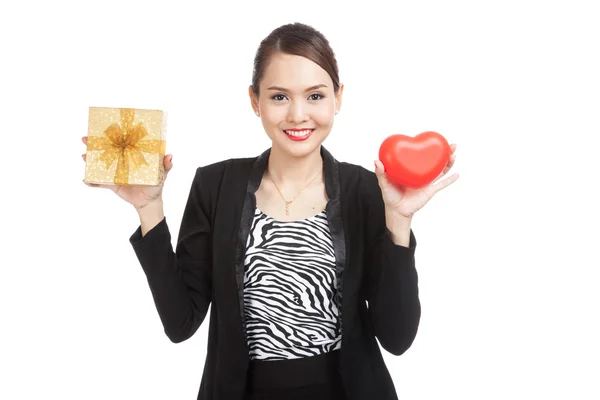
(299, 135)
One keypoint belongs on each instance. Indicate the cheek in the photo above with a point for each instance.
(273, 117)
(324, 115)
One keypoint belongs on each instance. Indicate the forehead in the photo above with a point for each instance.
(294, 72)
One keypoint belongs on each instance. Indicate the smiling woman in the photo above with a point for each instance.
(318, 257)
(296, 91)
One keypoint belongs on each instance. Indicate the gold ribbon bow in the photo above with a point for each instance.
(124, 142)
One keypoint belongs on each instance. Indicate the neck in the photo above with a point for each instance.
(293, 172)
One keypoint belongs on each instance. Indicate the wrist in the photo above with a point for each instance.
(392, 218)
(150, 216)
(152, 208)
(399, 228)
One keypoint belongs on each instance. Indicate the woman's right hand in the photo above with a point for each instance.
(136, 195)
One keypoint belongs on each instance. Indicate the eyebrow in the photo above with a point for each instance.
(307, 90)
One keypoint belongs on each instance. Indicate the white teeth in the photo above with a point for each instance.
(299, 133)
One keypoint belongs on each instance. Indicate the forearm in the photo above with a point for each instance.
(181, 289)
(395, 305)
(394, 301)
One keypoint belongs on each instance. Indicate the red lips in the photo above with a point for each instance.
(299, 138)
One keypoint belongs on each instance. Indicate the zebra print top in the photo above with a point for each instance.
(289, 288)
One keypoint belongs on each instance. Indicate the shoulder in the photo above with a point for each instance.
(216, 171)
(211, 180)
(357, 180)
(219, 180)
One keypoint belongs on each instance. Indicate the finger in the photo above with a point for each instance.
(450, 164)
(381, 176)
(379, 169)
(452, 147)
(101, 186)
(91, 184)
(445, 183)
(444, 172)
(84, 140)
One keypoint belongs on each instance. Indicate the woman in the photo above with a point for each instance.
(306, 260)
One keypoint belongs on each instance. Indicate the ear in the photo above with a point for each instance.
(253, 100)
(338, 98)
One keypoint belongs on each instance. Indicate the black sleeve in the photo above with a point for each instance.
(180, 281)
(392, 290)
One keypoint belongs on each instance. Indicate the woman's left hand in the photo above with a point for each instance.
(405, 202)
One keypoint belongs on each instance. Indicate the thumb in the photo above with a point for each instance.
(168, 163)
(381, 176)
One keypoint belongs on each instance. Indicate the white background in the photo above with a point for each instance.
(507, 255)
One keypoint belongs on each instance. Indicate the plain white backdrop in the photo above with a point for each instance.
(507, 255)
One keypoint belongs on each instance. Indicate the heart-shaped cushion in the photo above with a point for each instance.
(414, 162)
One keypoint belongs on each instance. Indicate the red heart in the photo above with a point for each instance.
(414, 162)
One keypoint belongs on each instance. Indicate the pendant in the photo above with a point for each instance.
(287, 207)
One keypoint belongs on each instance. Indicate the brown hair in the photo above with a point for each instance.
(300, 40)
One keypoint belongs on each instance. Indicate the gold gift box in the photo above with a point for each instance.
(125, 146)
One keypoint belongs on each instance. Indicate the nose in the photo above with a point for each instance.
(297, 113)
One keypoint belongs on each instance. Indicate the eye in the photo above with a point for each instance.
(278, 97)
(319, 96)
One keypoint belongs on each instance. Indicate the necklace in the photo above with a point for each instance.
(288, 202)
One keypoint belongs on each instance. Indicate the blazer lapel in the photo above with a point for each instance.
(335, 222)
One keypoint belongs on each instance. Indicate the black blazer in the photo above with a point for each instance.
(378, 283)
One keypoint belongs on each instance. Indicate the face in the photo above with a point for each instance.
(297, 104)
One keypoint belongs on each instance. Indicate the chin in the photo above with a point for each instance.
(304, 151)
